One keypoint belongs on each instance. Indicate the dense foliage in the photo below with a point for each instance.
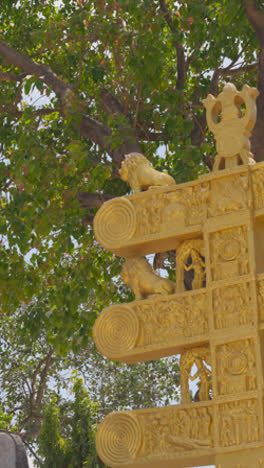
(82, 83)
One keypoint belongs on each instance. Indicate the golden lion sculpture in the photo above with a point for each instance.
(138, 275)
(139, 173)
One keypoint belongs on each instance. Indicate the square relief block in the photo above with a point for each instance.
(236, 367)
(197, 197)
(158, 212)
(238, 423)
(229, 194)
(233, 305)
(229, 253)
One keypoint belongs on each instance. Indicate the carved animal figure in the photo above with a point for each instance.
(139, 173)
(139, 276)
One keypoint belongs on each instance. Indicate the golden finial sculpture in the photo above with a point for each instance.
(230, 126)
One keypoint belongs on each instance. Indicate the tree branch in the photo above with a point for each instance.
(49, 361)
(88, 221)
(89, 128)
(181, 62)
(236, 71)
(149, 136)
(92, 200)
(256, 19)
(199, 123)
(12, 77)
(30, 67)
(33, 381)
(15, 112)
(110, 102)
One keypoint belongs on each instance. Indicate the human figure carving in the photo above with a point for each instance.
(195, 356)
(198, 265)
(204, 374)
(139, 173)
(193, 249)
(139, 276)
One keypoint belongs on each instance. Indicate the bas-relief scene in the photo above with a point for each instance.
(163, 320)
(173, 430)
(260, 291)
(229, 253)
(214, 319)
(233, 305)
(258, 186)
(163, 212)
(238, 422)
(236, 367)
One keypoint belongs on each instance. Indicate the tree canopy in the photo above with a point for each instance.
(82, 83)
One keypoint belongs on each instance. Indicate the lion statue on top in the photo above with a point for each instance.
(139, 173)
(139, 276)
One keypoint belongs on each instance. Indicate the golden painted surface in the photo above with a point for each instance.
(230, 127)
(128, 332)
(238, 422)
(179, 432)
(201, 358)
(215, 320)
(167, 324)
(139, 173)
(157, 219)
(229, 253)
(143, 436)
(190, 256)
(233, 306)
(236, 367)
(139, 276)
(249, 458)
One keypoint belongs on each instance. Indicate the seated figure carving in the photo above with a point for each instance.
(139, 276)
(139, 173)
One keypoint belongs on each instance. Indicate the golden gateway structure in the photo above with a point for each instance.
(216, 226)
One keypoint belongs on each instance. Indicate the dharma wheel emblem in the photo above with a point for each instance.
(230, 126)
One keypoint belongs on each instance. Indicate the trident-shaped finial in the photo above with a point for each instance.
(230, 126)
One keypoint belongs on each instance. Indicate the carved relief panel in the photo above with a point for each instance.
(258, 187)
(146, 436)
(238, 422)
(229, 194)
(163, 320)
(149, 214)
(172, 430)
(229, 253)
(260, 289)
(236, 367)
(128, 331)
(172, 210)
(197, 197)
(233, 305)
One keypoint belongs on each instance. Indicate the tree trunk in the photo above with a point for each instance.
(257, 139)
